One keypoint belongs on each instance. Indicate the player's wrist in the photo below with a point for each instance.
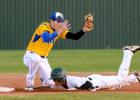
(84, 30)
(57, 32)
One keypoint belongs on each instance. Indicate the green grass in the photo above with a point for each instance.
(71, 60)
(73, 96)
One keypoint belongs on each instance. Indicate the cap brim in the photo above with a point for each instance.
(60, 21)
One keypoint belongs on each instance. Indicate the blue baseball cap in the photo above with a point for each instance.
(57, 16)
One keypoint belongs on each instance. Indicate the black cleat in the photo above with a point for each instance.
(134, 48)
(137, 76)
(29, 88)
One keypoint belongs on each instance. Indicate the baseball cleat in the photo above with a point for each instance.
(29, 88)
(134, 48)
(137, 76)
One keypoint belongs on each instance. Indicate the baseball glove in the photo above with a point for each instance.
(88, 25)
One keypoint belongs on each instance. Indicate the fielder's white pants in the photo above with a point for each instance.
(114, 81)
(37, 64)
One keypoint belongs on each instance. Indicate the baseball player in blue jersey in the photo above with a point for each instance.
(42, 42)
(96, 82)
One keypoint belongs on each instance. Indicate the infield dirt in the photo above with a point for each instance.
(18, 81)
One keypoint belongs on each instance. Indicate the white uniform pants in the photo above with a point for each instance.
(37, 64)
(114, 81)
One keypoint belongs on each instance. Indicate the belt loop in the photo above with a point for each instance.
(90, 78)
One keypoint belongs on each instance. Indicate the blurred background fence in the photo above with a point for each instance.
(117, 22)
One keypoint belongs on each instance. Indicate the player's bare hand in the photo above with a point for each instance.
(65, 26)
(88, 25)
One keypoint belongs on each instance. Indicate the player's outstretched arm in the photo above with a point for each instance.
(88, 26)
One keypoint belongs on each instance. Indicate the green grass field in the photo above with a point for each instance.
(72, 61)
(73, 96)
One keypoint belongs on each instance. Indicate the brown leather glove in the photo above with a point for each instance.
(88, 25)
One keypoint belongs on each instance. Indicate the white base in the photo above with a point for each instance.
(6, 89)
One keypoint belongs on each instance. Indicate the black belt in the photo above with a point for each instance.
(40, 56)
(43, 57)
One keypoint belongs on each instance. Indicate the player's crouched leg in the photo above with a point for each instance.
(45, 73)
(32, 61)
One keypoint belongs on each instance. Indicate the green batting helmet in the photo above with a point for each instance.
(58, 74)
